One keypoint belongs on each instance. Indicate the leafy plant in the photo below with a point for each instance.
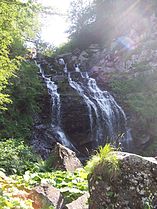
(72, 185)
(15, 189)
(104, 162)
(17, 157)
(26, 91)
(148, 205)
(18, 23)
(11, 196)
(138, 96)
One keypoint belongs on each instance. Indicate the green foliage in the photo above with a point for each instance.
(81, 15)
(15, 188)
(148, 205)
(45, 48)
(12, 194)
(148, 202)
(18, 23)
(151, 44)
(139, 96)
(66, 47)
(26, 90)
(139, 93)
(151, 149)
(142, 66)
(17, 157)
(72, 185)
(104, 162)
(99, 21)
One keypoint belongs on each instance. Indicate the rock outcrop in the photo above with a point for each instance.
(74, 118)
(133, 187)
(65, 159)
(115, 61)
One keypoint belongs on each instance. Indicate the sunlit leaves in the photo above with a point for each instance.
(18, 22)
(72, 185)
(16, 157)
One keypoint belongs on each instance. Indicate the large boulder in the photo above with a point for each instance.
(45, 196)
(65, 159)
(133, 187)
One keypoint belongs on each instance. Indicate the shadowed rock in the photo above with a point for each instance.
(134, 185)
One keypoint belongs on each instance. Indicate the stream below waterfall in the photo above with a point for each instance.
(107, 120)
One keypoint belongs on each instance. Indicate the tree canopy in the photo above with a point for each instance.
(99, 21)
(18, 23)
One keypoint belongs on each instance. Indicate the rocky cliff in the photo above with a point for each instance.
(127, 69)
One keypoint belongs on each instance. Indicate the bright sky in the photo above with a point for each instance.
(54, 27)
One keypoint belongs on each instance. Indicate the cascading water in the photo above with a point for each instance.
(107, 118)
(90, 105)
(56, 106)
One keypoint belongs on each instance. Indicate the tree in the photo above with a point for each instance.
(81, 16)
(18, 23)
(100, 21)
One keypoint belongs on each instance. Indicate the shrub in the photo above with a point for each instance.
(26, 91)
(16, 157)
(138, 96)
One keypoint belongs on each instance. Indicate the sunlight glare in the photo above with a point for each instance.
(54, 27)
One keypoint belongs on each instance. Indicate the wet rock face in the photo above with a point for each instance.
(74, 113)
(134, 186)
(42, 139)
(74, 117)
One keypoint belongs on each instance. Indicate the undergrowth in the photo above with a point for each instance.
(71, 185)
(26, 90)
(26, 170)
(14, 187)
(18, 159)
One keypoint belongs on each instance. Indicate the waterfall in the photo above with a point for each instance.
(90, 105)
(107, 118)
(56, 106)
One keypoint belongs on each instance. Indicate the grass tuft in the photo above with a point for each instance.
(104, 163)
